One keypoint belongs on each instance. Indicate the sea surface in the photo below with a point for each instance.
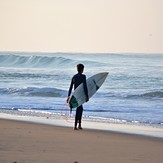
(38, 83)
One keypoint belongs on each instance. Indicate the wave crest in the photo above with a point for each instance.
(157, 94)
(33, 91)
(32, 61)
(38, 61)
(153, 94)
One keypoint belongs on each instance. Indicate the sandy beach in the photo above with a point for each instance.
(25, 142)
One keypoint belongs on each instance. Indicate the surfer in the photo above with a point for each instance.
(77, 79)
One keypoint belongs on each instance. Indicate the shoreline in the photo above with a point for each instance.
(28, 142)
(58, 120)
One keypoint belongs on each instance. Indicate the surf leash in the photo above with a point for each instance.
(65, 113)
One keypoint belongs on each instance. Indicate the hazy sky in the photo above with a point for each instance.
(82, 25)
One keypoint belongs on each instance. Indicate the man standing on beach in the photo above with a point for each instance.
(76, 81)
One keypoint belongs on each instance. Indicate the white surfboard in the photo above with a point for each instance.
(93, 84)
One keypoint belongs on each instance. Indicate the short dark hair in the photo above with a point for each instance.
(80, 67)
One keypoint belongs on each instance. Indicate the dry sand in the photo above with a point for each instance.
(24, 142)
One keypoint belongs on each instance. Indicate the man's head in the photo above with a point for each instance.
(80, 68)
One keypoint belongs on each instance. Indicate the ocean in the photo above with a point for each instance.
(38, 83)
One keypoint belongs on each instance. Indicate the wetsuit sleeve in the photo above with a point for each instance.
(85, 86)
(70, 89)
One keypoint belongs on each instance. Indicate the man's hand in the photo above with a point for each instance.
(68, 99)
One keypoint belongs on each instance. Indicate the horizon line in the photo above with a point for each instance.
(66, 52)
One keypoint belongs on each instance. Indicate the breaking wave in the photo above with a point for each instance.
(153, 94)
(33, 91)
(38, 61)
(148, 95)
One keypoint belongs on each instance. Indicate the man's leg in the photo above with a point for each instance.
(76, 118)
(80, 116)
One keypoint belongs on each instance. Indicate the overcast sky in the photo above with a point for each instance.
(82, 26)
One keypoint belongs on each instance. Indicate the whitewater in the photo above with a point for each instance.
(37, 84)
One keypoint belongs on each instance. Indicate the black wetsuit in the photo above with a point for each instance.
(76, 81)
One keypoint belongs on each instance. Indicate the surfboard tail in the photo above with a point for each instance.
(73, 102)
